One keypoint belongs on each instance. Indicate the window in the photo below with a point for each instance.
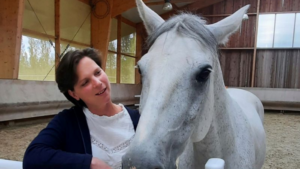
(111, 62)
(37, 56)
(127, 69)
(278, 30)
(36, 59)
(111, 67)
(265, 30)
(284, 29)
(126, 55)
(128, 50)
(297, 31)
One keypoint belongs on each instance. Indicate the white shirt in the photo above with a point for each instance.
(110, 136)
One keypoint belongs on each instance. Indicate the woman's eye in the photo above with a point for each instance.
(83, 84)
(98, 72)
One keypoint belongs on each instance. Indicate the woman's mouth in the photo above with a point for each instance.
(101, 92)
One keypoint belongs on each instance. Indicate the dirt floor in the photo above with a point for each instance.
(283, 140)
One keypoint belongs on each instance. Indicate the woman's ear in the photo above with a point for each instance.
(73, 94)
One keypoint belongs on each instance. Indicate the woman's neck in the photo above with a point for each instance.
(108, 109)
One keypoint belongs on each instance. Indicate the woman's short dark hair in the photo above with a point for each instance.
(66, 73)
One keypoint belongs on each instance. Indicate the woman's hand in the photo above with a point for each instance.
(98, 164)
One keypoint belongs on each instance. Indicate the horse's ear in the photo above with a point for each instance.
(151, 19)
(224, 28)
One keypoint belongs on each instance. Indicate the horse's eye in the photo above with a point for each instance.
(203, 75)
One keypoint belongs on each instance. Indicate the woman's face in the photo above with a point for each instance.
(93, 86)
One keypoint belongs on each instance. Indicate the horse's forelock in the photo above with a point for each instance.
(189, 25)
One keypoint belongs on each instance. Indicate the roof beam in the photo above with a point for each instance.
(85, 1)
(192, 7)
(120, 6)
(172, 1)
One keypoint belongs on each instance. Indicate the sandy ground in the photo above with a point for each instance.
(283, 140)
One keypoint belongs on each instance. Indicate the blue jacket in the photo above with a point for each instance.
(65, 142)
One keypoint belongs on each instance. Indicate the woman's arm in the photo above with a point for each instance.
(45, 151)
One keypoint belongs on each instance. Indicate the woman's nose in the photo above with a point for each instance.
(96, 82)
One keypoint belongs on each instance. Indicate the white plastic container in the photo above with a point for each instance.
(215, 163)
(9, 164)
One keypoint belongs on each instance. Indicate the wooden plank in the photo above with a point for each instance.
(225, 15)
(57, 31)
(100, 30)
(278, 68)
(255, 45)
(236, 67)
(296, 5)
(11, 18)
(277, 6)
(119, 36)
(245, 48)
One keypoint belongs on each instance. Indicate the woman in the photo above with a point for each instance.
(95, 133)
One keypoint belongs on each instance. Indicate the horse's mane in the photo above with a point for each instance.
(189, 25)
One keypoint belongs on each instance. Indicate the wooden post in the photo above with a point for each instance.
(57, 32)
(11, 18)
(255, 44)
(100, 28)
(139, 46)
(119, 35)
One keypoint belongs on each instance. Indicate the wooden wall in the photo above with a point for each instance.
(278, 68)
(242, 64)
(236, 67)
(272, 68)
(276, 5)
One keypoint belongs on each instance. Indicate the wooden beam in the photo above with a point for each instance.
(139, 46)
(100, 29)
(175, 7)
(85, 1)
(57, 31)
(128, 22)
(192, 7)
(255, 44)
(119, 35)
(225, 15)
(172, 1)
(155, 3)
(11, 18)
(120, 6)
(201, 4)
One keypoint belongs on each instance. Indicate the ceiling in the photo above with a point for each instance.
(155, 5)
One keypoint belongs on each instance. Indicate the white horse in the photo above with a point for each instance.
(187, 114)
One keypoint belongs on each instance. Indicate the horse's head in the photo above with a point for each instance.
(180, 74)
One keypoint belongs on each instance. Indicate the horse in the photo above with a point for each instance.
(187, 114)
